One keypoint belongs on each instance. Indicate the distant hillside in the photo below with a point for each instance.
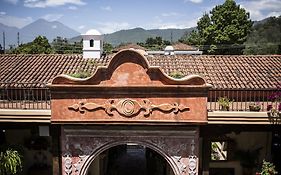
(261, 21)
(167, 34)
(10, 34)
(139, 35)
(39, 27)
(125, 36)
(265, 37)
(49, 29)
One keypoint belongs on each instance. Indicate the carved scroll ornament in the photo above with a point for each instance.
(129, 107)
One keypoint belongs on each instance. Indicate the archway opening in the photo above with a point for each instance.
(129, 159)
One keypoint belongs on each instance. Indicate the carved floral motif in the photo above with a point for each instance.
(129, 107)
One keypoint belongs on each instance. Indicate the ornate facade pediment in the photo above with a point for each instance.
(128, 89)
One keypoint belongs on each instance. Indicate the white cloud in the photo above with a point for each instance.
(12, 1)
(50, 3)
(174, 25)
(260, 9)
(170, 14)
(194, 1)
(159, 22)
(109, 27)
(274, 14)
(72, 8)
(106, 8)
(15, 21)
(52, 17)
(2, 13)
(54, 26)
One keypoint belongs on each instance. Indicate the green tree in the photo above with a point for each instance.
(62, 46)
(150, 41)
(38, 46)
(226, 25)
(156, 43)
(107, 48)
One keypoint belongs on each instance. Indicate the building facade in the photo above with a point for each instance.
(130, 106)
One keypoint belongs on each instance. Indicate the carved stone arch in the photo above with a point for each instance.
(179, 147)
(171, 162)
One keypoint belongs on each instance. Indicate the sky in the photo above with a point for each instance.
(108, 16)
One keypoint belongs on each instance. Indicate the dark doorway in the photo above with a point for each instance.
(130, 159)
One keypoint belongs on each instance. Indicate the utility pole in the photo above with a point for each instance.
(18, 38)
(4, 41)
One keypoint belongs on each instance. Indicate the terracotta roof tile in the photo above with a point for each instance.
(220, 71)
(129, 46)
(182, 46)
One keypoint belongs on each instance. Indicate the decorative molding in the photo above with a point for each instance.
(68, 163)
(129, 107)
(192, 165)
(181, 165)
(192, 160)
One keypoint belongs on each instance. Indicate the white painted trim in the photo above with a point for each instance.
(21, 112)
(216, 117)
(238, 117)
(25, 116)
(236, 114)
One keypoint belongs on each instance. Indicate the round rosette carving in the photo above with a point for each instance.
(128, 107)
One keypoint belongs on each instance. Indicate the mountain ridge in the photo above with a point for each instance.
(50, 29)
(138, 34)
(55, 28)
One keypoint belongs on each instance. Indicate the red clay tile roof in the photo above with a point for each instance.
(182, 46)
(129, 46)
(220, 71)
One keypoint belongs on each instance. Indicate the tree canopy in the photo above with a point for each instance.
(156, 43)
(62, 46)
(223, 30)
(38, 46)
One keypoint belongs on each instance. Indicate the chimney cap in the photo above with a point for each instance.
(93, 32)
(169, 48)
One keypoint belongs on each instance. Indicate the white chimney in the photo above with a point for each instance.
(92, 44)
(169, 50)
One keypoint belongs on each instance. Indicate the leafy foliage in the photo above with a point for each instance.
(39, 45)
(62, 46)
(59, 46)
(224, 103)
(176, 75)
(156, 43)
(219, 150)
(10, 162)
(81, 74)
(268, 168)
(226, 26)
(265, 38)
(107, 48)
